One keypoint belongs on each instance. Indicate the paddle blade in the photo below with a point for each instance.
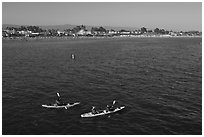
(114, 102)
(58, 94)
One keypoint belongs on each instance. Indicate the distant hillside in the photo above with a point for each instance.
(119, 28)
(68, 26)
(60, 27)
(10, 25)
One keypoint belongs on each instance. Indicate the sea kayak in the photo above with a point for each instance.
(68, 105)
(102, 112)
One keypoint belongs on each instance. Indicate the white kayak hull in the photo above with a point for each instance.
(104, 112)
(63, 106)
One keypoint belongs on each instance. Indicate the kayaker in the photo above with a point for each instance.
(58, 100)
(93, 110)
(110, 108)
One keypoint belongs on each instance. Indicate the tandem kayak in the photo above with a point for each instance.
(102, 112)
(68, 105)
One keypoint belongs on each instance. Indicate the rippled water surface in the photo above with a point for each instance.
(159, 80)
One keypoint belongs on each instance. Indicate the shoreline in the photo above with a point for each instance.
(84, 37)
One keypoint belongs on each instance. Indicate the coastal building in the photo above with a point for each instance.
(23, 32)
(112, 32)
(60, 33)
(171, 33)
(137, 32)
(33, 34)
(5, 34)
(124, 33)
(68, 32)
(13, 31)
(83, 32)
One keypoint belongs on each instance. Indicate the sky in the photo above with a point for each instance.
(182, 16)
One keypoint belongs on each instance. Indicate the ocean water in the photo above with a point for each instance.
(159, 80)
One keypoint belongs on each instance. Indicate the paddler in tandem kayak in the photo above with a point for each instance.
(93, 110)
(110, 108)
(58, 101)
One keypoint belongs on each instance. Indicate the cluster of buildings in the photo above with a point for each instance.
(81, 31)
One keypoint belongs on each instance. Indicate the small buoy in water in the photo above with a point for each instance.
(73, 57)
